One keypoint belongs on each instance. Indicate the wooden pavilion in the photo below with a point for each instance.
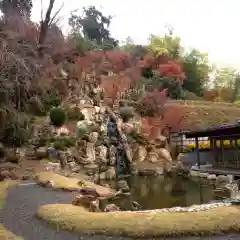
(225, 157)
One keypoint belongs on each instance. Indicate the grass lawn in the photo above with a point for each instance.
(70, 184)
(75, 218)
(4, 233)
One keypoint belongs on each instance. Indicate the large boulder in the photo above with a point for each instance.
(93, 137)
(109, 174)
(164, 154)
(123, 186)
(90, 152)
(89, 112)
(83, 200)
(140, 153)
(102, 153)
(152, 156)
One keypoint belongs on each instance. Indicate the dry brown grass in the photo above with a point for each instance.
(69, 183)
(206, 114)
(74, 218)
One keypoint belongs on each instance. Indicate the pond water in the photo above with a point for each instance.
(161, 192)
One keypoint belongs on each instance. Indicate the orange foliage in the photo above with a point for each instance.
(171, 121)
(151, 127)
(210, 95)
(114, 85)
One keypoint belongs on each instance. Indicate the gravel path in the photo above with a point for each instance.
(18, 216)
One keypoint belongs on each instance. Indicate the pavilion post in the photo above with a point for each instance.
(197, 151)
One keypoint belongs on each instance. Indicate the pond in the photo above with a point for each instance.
(162, 192)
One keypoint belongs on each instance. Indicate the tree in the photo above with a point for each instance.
(224, 78)
(169, 45)
(45, 24)
(196, 68)
(94, 26)
(20, 7)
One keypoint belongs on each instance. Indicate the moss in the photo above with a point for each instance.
(150, 225)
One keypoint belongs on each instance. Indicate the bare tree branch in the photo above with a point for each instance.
(45, 24)
(56, 14)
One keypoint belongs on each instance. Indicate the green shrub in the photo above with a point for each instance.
(74, 114)
(61, 143)
(126, 113)
(35, 106)
(58, 145)
(81, 132)
(58, 116)
(17, 129)
(51, 99)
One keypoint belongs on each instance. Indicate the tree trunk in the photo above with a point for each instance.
(44, 28)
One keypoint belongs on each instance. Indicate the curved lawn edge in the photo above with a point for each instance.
(4, 186)
(70, 183)
(133, 224)
(5, 234)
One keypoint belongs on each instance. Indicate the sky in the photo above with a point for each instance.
(208, 25)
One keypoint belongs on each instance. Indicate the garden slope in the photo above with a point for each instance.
(201, 114)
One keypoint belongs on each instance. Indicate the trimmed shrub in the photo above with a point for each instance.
(75, 114)
(126, 113)
(58, 116)
(61, 143)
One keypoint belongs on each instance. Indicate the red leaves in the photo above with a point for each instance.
(210, 95)
(172, 70)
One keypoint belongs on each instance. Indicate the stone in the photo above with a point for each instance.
(8, 166)
(93, 137)
(52, 153)
(221, 180)
(90, 152)
(63, 158)
(127, 127)
(102, 153)
(42, 152)
(62, 131)
(5, 174)
(112, 155)
(109, 174)
(89, 113)
(123, 186)
(203, 175)
(89, 191)
(146, 172)
(194, 173)
(159, 171)
(111, 208)
(51, 166)
(83, 200)
(164, 154)
(153, 157)
(140, 154)
(94, 206)
(180, 157)
(161, 141)
(212, 177)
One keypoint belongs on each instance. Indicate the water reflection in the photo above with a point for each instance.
(159, 192)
